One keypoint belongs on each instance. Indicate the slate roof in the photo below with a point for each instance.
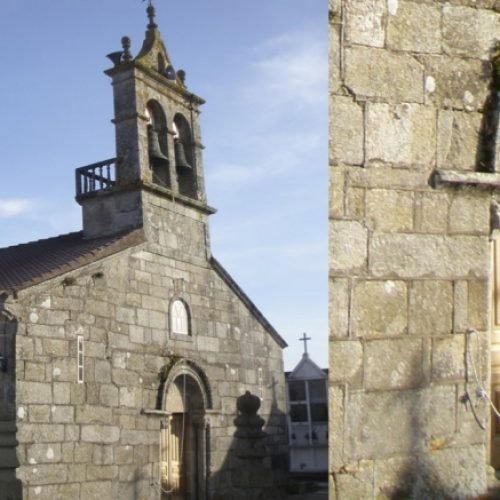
(28, 264)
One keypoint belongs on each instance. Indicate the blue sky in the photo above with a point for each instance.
(261, 66)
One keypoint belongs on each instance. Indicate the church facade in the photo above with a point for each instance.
(125, 348)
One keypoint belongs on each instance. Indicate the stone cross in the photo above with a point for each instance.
(304, 339)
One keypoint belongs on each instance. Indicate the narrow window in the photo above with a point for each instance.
(79, 340)
(261, 384)
(180, 320)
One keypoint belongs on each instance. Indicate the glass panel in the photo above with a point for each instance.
(298, 413)
(317, 390)
(179, 318)
(319, 412)
(297, 390)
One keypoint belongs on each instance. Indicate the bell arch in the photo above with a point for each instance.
(157, 143)
(185, 166)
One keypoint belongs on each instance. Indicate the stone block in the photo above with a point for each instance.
(448, 358)
(389, 210)
(393, 364)
(355, 203)
(336, 192)
(42, 474)
(130, 397)
(44, 453)
(34, 393)
(457, 139)
(478, 305)
(336, 410)
(427, 256)
(100, 434)
(385, 424)
(355, 480)
(55, 492)
(394, 477)
(395, 77)
(451, 473)
(62, 414)
(346, 131)
(124, 454)
(102, 371)
(91, 490)
(39, 413)
(401, 134)
(365, 22)
(379, 308)
(139, 437)
(455, 82)
(470, 213)
(432, 212)
(339, 293)
(56, 348)
(469, 32)
(93, 415)
(348, 246)
(415, 27)
(83, 452)
(431, 307)
(334, 56)
(346, 362)
(460, 293)
(100, 472)
(108, 395)
(34, 371)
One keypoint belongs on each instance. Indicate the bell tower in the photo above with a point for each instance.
(158, 146)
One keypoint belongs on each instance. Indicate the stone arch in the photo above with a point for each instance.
(197, 376)
(185, 162)
(158, 142)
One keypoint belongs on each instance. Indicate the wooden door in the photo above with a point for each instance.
(495, 355)
(172, 469)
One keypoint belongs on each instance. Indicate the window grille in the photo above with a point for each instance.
(80, 355)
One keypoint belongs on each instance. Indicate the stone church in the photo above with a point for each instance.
(414, 250)
(127, 352)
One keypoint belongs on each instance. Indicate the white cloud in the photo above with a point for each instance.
(294, 69)
(267, 161)
(15, 207)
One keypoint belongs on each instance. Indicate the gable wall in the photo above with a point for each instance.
(90, 439)
(409, 264)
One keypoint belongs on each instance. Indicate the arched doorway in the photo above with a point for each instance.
(184, 435)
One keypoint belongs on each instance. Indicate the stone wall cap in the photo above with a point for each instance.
(486, 180)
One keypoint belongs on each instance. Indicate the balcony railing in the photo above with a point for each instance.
(96, 177)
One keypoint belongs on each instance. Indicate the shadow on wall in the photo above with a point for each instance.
(255, 467)
(486, 151)
(11, 488)
(438, 467)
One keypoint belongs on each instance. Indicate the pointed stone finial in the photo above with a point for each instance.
(151, 15)
(127, 56)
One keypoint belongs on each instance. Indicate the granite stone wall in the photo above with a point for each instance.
(90, 440)
(409, 256)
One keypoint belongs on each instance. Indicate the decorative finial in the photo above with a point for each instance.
(127, 56)
(151, 15)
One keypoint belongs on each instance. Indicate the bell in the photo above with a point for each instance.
(180, 156)
(155, 153)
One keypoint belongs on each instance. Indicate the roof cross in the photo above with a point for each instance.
(304, 339)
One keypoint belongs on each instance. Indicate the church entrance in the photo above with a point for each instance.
(183, 440)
